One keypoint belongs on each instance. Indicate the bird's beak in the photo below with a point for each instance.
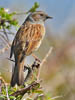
(49, 17)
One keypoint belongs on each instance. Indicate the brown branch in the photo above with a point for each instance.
(36, 58)
(25, 90)
(44, 62)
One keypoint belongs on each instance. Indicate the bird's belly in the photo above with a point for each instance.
(38, 45)
(33, 46)
(36, 39)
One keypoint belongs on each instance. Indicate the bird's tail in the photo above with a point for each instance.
(18, 74)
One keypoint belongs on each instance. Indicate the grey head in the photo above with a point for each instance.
(38, 16)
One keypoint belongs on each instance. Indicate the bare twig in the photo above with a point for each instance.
(50, 51)
(41, 95)
(12, 33)
(44, 60)
(36, 58)
(5, 33)
(4, 39)
(57, 97)
(7, 92)
(5, 84)
(25, 90)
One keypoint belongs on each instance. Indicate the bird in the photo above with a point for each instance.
(27, 40)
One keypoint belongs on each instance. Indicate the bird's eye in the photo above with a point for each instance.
(41, 14)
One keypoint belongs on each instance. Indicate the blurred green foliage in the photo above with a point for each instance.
(6, 19)
(34, 7)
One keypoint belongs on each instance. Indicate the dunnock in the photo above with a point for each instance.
(27, 40)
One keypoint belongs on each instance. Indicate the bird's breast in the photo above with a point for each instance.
(37, 35)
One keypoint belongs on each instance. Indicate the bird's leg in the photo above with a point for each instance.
(30, 69)
(35, 65)
(29, 72)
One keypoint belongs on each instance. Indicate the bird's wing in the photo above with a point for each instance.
(18, 40)
(21, 39)
(12, 50)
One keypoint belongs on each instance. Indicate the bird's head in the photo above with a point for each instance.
(39, 16)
